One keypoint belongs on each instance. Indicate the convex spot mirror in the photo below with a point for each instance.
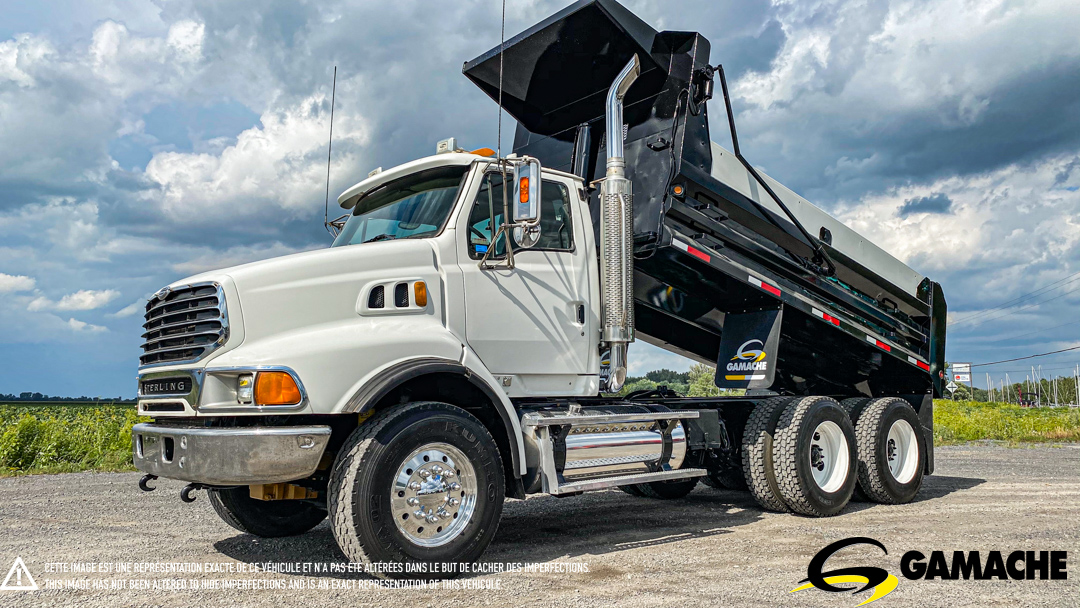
(526, 202)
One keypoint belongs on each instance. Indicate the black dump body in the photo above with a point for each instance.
(698, 253)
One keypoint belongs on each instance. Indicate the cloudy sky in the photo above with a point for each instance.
(145, 140)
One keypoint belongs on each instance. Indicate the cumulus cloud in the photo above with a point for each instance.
(135, 308)
(85, 299)
(935, 203)
(81, 326)
(12, 283)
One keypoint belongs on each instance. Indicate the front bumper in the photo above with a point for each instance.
(229, 456)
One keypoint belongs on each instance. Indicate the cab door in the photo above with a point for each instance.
(531, 324)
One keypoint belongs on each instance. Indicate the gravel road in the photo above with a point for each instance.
(713, 548)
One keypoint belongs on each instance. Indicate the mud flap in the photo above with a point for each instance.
(748, 350)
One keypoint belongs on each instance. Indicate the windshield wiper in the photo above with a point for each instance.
(381, 237)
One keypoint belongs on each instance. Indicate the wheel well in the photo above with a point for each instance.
(456, 389)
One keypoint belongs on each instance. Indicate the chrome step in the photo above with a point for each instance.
(580, 419)
(578, 487)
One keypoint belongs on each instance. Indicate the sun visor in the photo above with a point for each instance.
(557, 73)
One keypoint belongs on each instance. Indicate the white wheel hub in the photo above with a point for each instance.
(830, 456)
(433, 496)
(902, 451)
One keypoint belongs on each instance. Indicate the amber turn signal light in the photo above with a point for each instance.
(523, 197)
(276, 388)
(420, 294)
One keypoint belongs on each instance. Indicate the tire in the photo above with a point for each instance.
(854, 406)
(757, 453)
(891, 454)
(726, 479)
(815, 429)
(633, 490)
(667, 490)
(265, 518)
(372, 484)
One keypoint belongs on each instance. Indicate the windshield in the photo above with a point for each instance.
(414, 206)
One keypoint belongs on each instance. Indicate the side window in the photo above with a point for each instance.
(556, 227)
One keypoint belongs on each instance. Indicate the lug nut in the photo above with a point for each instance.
(412, 502)
(424, 474)
(454, 502)
(432, 518)
(455, 486)
(448, 473)
(436, 469)
(415, 485)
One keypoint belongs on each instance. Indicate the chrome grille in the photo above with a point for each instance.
(184, 324)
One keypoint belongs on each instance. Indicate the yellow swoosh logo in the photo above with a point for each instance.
(880, 591)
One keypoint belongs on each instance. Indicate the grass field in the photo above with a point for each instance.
(66, 437)
(962, 421)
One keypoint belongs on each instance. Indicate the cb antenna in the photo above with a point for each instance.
(502, 44)
(334, 226)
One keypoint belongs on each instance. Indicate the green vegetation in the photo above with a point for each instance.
(65, 438)
(960, 421)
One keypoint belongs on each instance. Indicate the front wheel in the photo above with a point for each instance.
(420, 485)
(267, 519)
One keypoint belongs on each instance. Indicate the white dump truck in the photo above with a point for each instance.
(465, 339)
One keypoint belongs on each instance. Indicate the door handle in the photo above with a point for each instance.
(581, 314)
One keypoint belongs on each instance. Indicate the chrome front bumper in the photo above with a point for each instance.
(229, 456)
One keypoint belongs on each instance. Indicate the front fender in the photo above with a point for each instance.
(376, 385)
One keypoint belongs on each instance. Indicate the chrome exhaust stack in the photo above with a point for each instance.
(617, 236)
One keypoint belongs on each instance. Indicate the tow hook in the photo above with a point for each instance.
(186, 493)
(145, 480)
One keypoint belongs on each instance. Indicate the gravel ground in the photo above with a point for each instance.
(711, 549)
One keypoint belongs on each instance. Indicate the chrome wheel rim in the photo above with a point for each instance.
(433, 495)
(902, 451)
(829, 456)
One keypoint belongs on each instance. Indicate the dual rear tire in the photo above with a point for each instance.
(809, 455)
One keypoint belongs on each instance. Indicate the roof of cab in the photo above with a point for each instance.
(348, 199)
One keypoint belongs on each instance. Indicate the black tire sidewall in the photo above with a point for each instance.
(267, 519)
(899, 492)
(375, 524)
(822, 501)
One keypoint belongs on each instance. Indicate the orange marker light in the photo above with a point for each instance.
(420, 294)
(488, 152)
(678, 190)
(524, 189)
(276, 388)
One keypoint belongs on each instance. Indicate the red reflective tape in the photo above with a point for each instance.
(925, 366)
(878, 343)
(826, 317)
(701, 255)
(769, 288)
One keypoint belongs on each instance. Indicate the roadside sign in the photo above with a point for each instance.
(962, 377)
(951, 387)
(961, 368)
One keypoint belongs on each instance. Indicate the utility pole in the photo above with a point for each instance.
(989, 389)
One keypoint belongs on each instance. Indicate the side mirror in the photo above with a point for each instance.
(526, 203)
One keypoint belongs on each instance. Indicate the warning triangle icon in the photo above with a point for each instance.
(18, 578)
